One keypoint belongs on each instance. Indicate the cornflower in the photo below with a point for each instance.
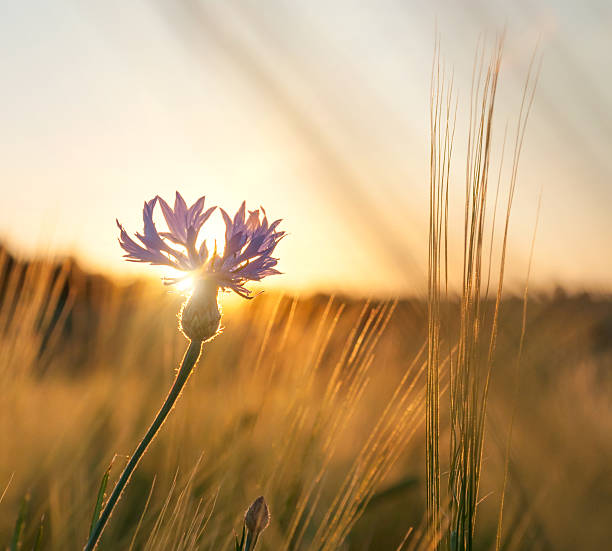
(247, 256)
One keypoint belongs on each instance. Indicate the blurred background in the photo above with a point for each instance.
(319, 111)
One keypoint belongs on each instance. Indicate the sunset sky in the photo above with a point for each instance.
(319, 111)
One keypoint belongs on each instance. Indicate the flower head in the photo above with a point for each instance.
(249, 244)
(247, 255)
(184, 222)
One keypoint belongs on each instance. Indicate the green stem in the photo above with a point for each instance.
(251, 541)
(189, 361)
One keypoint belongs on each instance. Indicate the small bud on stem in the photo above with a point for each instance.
(256, 521)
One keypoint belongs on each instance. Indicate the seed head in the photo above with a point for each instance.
(257, 517)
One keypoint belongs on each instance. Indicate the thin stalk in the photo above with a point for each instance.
(189, 361)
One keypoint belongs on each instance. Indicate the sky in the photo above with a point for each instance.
(319, 111)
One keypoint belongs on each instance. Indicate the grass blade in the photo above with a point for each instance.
(39, 535)
(20, 524)
(100, 498)
(240, 544)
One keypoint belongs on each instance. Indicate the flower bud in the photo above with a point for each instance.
(200, 315)
(257, 517)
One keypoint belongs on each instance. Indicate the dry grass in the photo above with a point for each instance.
(280, 414)
(316, 403)
(470, 350)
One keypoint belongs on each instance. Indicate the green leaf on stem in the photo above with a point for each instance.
(101, 496)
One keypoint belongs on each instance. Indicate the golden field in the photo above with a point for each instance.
(317, 403)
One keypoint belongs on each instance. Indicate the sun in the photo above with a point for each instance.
(182, 282)
(186, 284)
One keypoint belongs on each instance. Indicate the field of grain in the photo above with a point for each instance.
(316, 402)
